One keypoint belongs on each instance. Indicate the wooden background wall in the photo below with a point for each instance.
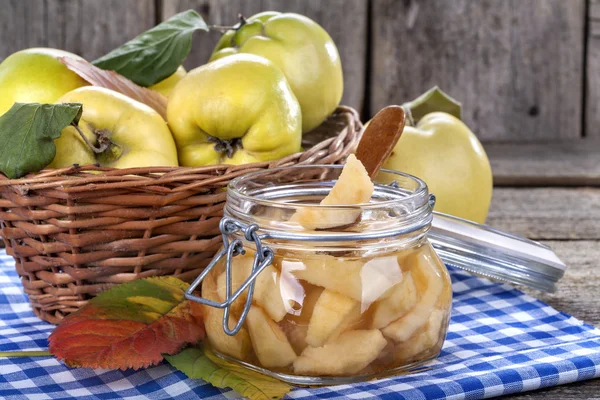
(525, 70)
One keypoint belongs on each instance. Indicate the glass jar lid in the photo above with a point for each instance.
(493, 253)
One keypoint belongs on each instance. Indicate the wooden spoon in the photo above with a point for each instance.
(376, 144)
(380, 137)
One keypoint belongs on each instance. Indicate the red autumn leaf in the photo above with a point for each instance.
(129, 326)
(117, 82)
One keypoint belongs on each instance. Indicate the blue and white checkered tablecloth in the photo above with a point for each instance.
(500, 341)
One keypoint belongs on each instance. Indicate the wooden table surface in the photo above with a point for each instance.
(551, 193)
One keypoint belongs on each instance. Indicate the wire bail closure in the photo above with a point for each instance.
(262, 258)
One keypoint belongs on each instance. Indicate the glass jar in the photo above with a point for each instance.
(363, 296)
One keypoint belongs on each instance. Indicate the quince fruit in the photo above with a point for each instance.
(114, 131)
(236, 110)
(166, 86)
(303, 51)
(429, 339)
(363, 281)
(296, 326)
(36, 76)
(446, 154)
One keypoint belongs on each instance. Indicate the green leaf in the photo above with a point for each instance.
(433, 100)
(157, 53)
(27, 133)
(202, 363)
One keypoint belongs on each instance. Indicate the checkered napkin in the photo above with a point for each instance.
(500, 341)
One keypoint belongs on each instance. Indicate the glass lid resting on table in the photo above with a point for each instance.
(495, 254)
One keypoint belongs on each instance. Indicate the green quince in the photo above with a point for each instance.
(236, 110)
(36, 76)
(303, 51)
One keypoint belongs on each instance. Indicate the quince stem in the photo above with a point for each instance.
(225, 28)
(102, 138)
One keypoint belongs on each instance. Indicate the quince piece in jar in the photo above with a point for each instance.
(241, 268)
(347, 354)
(337, 274)
(354, 321)
(331, 310)
(402, 299)
(429, 338)
(268, 293)
(429, 283)
(363, 281)
(237, 346)
(296, 326)
(270, 343)
(267, 289)
(352, 187)
(295, 333)
(302, 314)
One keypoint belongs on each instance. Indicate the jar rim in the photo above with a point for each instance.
(421, 190)
(269, 199)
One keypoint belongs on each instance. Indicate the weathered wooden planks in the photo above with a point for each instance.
(89, 28)
(565, 163)
(582, 277)
(345, 20)
(516, 65)
(547, 213)
(21, 25)
(592, 100)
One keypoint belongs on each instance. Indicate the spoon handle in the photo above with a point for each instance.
(380, 137)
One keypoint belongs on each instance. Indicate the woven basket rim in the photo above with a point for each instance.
(69, 178)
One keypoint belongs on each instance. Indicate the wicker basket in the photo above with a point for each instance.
(74, 234)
